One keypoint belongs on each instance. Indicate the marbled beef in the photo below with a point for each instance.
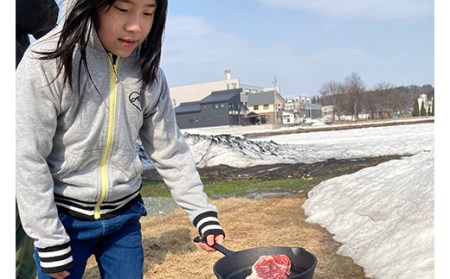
(271, 267)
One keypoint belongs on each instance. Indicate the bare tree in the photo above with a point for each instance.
(355, 89)
(332, 95)
(383, 86)
(389, 99)
(370, 104)
(351, 98)
(300, 108)
(381, 97)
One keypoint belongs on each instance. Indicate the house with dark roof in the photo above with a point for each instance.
(220, 108)
(268, 107)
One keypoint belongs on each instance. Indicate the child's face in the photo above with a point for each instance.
(125, 25)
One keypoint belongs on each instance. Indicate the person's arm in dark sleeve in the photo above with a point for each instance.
(36, 17)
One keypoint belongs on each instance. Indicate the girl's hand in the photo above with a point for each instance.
(211, 239)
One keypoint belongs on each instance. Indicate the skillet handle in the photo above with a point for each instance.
(216, 246)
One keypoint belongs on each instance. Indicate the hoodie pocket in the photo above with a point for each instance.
(125, 167)
(76, 168)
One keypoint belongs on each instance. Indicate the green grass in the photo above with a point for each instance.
(239, 187)
(154, 189)
(253, 185)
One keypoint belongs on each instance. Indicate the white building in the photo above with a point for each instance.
(423, 101)
(196, 92)
(300, 108)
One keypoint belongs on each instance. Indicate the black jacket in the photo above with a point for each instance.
(33, 17)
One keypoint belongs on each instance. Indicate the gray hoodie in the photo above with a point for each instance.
(76, 147)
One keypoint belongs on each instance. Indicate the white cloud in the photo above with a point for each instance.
(196, 51)
(198, 42)
(366, 9)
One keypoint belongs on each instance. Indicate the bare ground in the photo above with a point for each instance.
(271, 221)
(249, 223)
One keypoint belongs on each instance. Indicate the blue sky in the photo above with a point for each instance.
(300, 43)
(303, 43)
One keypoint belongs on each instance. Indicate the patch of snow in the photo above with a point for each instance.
(382, 215)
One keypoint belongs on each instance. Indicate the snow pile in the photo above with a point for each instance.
(237, 151)
(358, 143)
(383, 216)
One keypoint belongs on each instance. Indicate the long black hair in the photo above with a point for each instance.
(79, 23)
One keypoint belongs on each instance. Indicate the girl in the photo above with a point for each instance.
(86, 93)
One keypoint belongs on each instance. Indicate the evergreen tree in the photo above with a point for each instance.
(432, 109)
(415, 111)
(423, 110)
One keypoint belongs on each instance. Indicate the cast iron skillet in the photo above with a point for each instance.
(238, 265)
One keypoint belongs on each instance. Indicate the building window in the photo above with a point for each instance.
(216, 106)
(266, 106)
(255, 107)
(232, 85)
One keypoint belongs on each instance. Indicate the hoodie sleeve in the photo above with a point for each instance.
(37, 108)
(173, 159)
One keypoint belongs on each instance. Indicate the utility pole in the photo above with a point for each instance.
(275, 106)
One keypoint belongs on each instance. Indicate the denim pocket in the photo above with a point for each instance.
(139, 207)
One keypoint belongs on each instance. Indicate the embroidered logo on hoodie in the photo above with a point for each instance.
(134, 99)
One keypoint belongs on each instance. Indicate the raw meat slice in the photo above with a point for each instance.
(275, 266)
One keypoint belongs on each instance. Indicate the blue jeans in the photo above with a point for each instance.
(116, 244)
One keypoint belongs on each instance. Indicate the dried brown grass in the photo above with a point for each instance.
(271, 221)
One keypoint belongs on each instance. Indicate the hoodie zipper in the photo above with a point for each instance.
(114, 63)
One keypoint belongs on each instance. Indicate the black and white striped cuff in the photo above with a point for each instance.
(207, 223)
(55, 259)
